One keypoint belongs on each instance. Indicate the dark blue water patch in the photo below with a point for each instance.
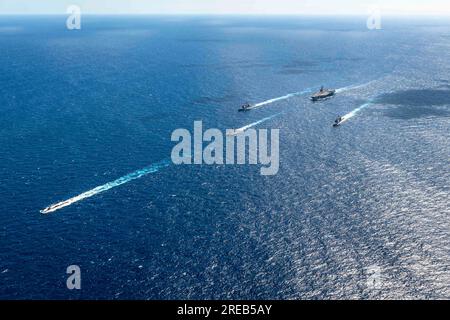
(299, 66)
(297, 63)
(220, 66)
(155, 119)
(416, 98)
(214, 100)
(319, 64)
(205, 40)
(291, 71)
(412, 112)
(341, 58)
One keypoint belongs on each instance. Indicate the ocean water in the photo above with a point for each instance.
(82, 108)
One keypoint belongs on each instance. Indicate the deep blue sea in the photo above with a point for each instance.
(80, 108)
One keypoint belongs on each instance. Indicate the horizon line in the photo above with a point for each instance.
(416, 14)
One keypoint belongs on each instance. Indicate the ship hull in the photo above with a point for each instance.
(323, 95)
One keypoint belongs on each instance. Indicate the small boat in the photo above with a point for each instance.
(338, 121)
(245, 107)
(323, 94)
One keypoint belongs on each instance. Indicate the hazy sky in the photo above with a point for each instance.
(434, 7)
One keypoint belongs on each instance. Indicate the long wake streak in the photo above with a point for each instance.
(251, 125)
(300, 93)
(240, 130)
(349, 88)
(288, 96)
(130, 177)
(352, 87)
(107, 186)
(353, 113)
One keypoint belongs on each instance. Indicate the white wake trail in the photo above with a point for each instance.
(352, 87)
(251, 125)
(353, 113)
(300, 93)
(107, 186)
(258, 122)
(132, 176)
(288, 96)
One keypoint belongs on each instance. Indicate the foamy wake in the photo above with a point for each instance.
(285, 97)
(251, 125)
(132, 176)
(300, 93)
(107, 186)
(353, 113)
(235, 132)
(353, 87)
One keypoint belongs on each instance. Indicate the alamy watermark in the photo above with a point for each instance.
(374, 279)
(73, 22)
(74, 280)
(229, 150)
(374, 19)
